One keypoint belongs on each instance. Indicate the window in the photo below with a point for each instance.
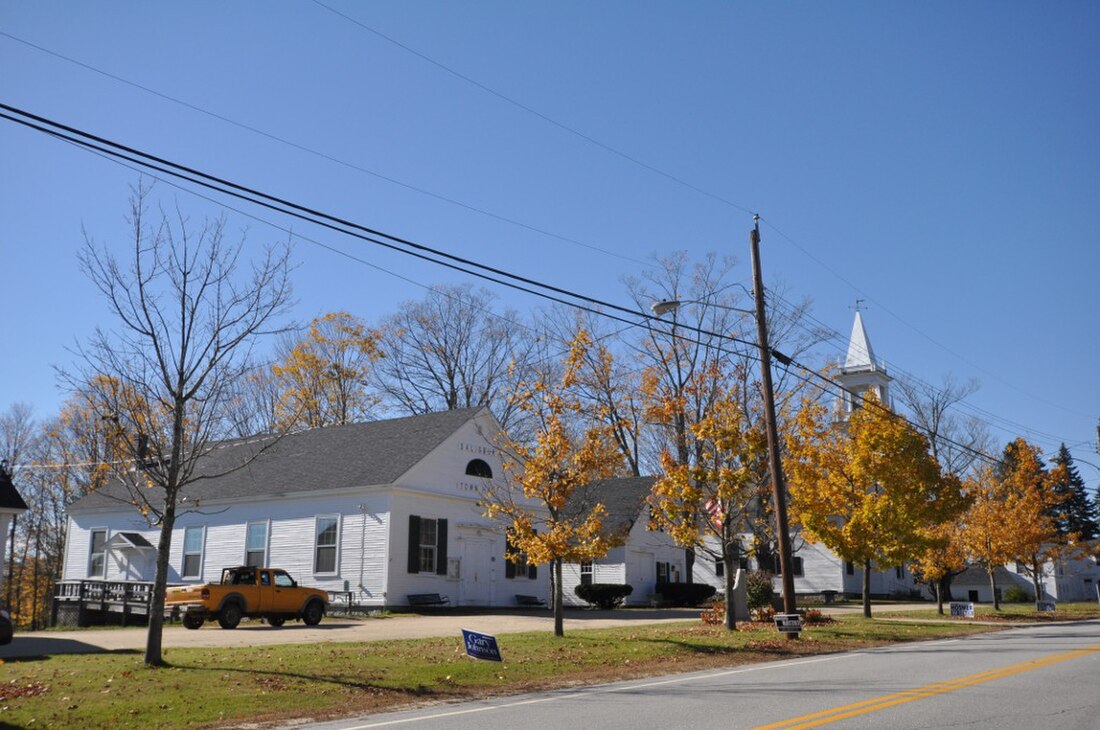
(282, 580)
(899, 572)
(97, 554)
(479, 468)
(719, 567)
(324, 551)
(255, 544)
(265, 578)
(427, 545)
(586, 573)
(664, 573)
(796, 563)
(518, 568)
(192, 553)
(849, 567)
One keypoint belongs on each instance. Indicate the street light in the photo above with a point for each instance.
(774, 463)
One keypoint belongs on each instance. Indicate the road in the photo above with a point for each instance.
(1034, 677)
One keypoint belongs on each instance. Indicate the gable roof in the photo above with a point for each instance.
(623, 498)
(355, 455)
(10, 499)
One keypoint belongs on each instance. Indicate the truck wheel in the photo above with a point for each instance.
(229, 616)
(193, 620)
(313, 613)
(276, 621)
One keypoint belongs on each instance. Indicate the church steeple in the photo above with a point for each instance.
(861, 371)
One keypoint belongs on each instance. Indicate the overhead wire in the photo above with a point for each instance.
(494, 274)
(324, 155)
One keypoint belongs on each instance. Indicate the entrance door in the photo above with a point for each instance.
(639, 573)
(477, 572)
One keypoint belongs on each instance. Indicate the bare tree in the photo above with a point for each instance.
(187, 316)
(452, 350)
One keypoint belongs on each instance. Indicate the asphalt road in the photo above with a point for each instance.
(1034, 677)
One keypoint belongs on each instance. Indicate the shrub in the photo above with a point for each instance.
(716, 614)
(813, 617)
(1017, 594)
(764, 614)
(759, 589)
(686, 594)
(604, 595)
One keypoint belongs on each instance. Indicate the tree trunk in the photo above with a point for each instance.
(153, 640)
(730, 561)
(993, 585)
(1035, 582)
(938, 586)
(559, 618)
(867, 589)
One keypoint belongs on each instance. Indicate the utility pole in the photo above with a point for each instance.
(776, 467)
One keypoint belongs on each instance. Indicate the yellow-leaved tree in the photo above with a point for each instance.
(1013, 516)
(544, 526)
(702, 503)
(322, 379)
(867, 488)
(944, 556)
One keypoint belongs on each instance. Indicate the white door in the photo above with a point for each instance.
(640, 573)
(477, 572)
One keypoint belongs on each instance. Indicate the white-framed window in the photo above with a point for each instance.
(192, 552)
(255, 544)
(517, 567)
(97, 553)
(796, 563)
(586, 573)
(326, 544)
(429, 543)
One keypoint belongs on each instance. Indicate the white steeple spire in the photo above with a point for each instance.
(860, 355)
(861, 371)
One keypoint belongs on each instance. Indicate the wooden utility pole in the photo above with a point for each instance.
(778, 489)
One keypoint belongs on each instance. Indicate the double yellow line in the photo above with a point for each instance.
(881, 703)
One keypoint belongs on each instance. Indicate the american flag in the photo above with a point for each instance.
(717, 512)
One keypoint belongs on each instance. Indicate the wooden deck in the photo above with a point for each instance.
(88, 602)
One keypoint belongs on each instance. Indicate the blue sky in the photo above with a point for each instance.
(940, 160)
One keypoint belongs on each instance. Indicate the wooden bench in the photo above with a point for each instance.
(535, 601)
(427, 600)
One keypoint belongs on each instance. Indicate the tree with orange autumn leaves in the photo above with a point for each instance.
(702, 503)
(868, 489)
(322, 378)
(542, 476)
(1014, 515)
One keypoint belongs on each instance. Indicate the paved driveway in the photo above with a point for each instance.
(336, 628)
(332, 628)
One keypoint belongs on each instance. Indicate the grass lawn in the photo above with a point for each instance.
(220, 687)
(1009, 613)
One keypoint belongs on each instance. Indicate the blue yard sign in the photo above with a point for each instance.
(481, 646)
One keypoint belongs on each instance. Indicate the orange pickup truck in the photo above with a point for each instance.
(245, 591)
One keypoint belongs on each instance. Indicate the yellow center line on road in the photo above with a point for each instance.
(881, 703)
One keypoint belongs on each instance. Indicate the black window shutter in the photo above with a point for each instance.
(532, 571)
(509, 566)
(414, 544)
(441, 547)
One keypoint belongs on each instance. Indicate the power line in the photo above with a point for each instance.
(534, 112)
(323, 155)
(473, 268)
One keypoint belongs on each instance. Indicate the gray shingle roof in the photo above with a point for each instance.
(356, 455)
(623, 498)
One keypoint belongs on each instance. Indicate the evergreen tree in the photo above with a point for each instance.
(1078, 513)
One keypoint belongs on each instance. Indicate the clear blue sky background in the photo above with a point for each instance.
(939, 159)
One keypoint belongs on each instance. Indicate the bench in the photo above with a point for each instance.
(522, 600)
(427, 599)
